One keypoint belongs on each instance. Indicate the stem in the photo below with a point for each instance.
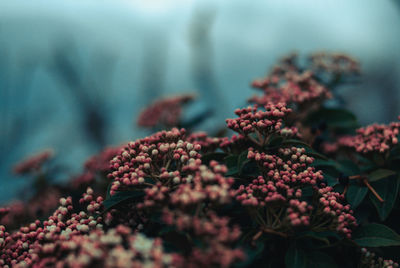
(253, 140)
(168, 163)
(271, 231)
(257, 235)
(345, 190)
(365, 181)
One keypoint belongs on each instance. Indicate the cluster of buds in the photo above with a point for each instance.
(37, 242)
(263, 123)
(33, 163)
(332, 212)
(290, 166)
(117, 247)
(97, 164)
(41, 204)
(298, 212)
(3, 236)
(165, 112)
(100, 162)
(292, 88)
(335, 63)
(369, 260)
(206, 184)
(3, 212)
(373, 138)
(14, 212)
(164, 157)
(278, 191)
(214, 231)
(283, 175)
(207, 143)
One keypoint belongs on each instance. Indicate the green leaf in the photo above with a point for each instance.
(324, 163)
(387, 189)
(231, 162)
(275, 141)
(293, 142)
(298, 258)
(330, 180)
(376, 235)
(252, 254)
(318, 259)
(312, 153)
(120, 197)
(307, 191)
(356, 194)
(235, 163)
(334, 118)
(242, 160)
(108, 190)
(348, 167)
(218, 156)
(380, 174)
(295, 257)
(321, 236)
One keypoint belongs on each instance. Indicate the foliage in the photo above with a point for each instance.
(298, 185)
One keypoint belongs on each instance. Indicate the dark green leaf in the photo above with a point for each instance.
(307, 191)
(321, 236)
(376, 235)
(387, 189)
(356, 194)
(275, 141)
(295, 257)
(330, 180)
(334, 118)
(252, 255)
(324, 163)
(348, 168)
(108, 190)
(120, 197)
(296, 143)
(231, 162)
(312, 153)
(242, 160)
(380, 174)
(218, 156)
(317, 259)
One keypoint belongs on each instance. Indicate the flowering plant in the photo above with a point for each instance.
(288, 189)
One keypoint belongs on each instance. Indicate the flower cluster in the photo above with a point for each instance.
(165, 112)
(33, 163)
(41, 204)
(207, 143)
(336, 63)
(97, 164)
(261, 122)
(206, 184)
(373, 138)
(167, 168)
(214, 231)
(333, 212)
(290, 165)
(290, 87)
(368, 259)
(285, 175)
(117, 247)
(164, 157)
(69, 239)
(37, 242)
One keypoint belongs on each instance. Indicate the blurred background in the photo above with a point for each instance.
(74, 75)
